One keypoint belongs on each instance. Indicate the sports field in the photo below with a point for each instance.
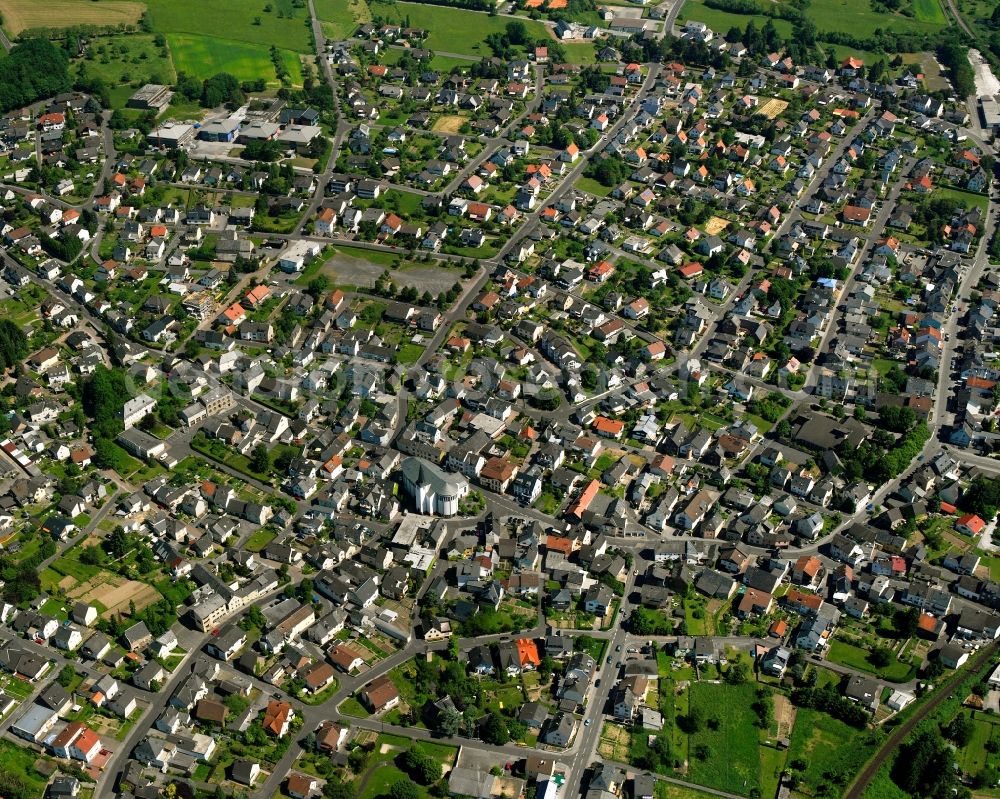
(204, 56)
(19, 15)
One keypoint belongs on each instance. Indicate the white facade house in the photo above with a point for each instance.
(136, 409)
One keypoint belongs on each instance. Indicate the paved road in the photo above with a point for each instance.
(870, 238)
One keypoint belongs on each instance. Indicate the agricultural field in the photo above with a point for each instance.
(226, 20)
(240, 36)
(858, 18)
(204, 56)
(20, 15)
(110, 593)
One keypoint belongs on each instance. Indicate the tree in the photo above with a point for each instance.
(103, 395)
(449, 722)
(906, 620)
(253, 618)
(335, 789)
(494, 730)
(13, 344)
(260, 459)
(880, 657)
(982, 497)
(738, 672)
(420, 766)
(960, 730)
(93, 556)
(691, 722)
(33, 69)
(117, 544)
(644, 621)
(317, 286)
(924, 767)
(404, 789)
(517, 32)
(66, 675)
(220, 89)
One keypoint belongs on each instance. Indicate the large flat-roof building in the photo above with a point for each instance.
(220, 130)
(171, 135)
(299, 136)
(151, 96)
(990, 110)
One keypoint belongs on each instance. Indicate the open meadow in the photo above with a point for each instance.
(847, 16)
(126, 62)
(453, 30)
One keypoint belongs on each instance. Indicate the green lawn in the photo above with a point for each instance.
(667, 790)
(228, 21)
(403, 202)
(591, 186)
(930, 11)
(382, 772)
(409, 354)
(352, 707)
(548, 503)
(176, 591)
(259, 539)
(216, 450)
(733, 761)
(969, 198)
(772, 764)
(443, 63)
(584, 53)
(455, 30)
(857, 658)
(204, 56)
